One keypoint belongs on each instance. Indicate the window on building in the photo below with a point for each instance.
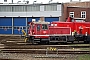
(19, 8)
(5, 0)
(83, 14)
(33, 8)
(50, 7)
(71, 14)
(5, 8)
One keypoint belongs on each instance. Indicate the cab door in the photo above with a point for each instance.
(38, 29)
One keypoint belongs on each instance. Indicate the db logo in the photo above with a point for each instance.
(5, 29)
(19, 29)
(44, 31)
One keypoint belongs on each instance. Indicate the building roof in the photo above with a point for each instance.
(28, 4)
(77, 7)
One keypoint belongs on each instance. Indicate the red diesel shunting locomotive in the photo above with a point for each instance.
(74, 29)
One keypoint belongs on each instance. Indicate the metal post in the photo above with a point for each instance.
(57, 51)
(12, 25)
(70, 0)
(79, 0)
(26, 26)
(46, 51)
(12, 1)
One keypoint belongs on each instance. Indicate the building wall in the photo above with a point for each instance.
(77, 12)
(54, 10)
(8, 1)
(31, 14)
(78, 4)
(20, 14)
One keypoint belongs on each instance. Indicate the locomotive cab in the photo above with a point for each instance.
(38, 31)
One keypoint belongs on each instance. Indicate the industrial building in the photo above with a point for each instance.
(77, 10)
(6, 1)
(14, 17)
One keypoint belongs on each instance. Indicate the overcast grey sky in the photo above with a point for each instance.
(46, 1)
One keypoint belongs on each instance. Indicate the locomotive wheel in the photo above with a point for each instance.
(72, 41)
(65, 43)
(47, 42)
(86, 42)
(44, 42)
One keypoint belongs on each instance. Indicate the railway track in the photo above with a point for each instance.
(43, 47)
(43, 51)
(14, 44)
(9, 59)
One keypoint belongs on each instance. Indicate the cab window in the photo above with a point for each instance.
(44, 26)
(38, 27)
